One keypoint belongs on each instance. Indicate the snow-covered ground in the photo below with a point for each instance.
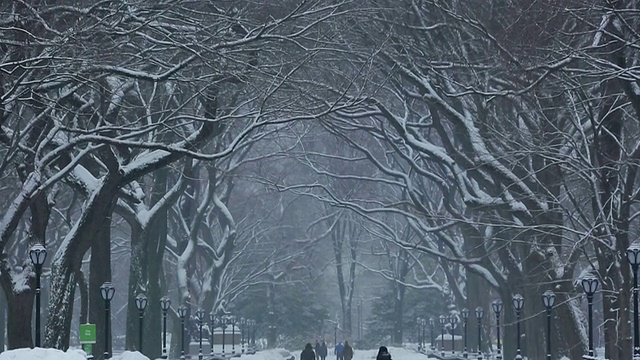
(53, 354)
(273, 354)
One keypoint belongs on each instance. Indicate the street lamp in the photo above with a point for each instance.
(549, 299)
(518, 304)
(182, 313)
(200, 314)
(496, 305)
(243, 322)
(233, 320)
(633, 255)
(590, 286)
(212, 325)
(479, 314)
(141, 304)
(453, 319)
(433, 335)
(465, 316)
(335, 336)
(443, 320)
(253, 336)
(423, 339)
(165, 305)
(418, 324)
(107, 291)
(223, 325)
(38, 254)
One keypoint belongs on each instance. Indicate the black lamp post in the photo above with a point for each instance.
(223, 325)
(212, 326)
(243, 322)
(335, 336)
(200, 314)
(423, 340)
(590, 286)
(38, 254)
(233, 320)
(165, 305)
(182, 313)
(633, 255)
(443, 320)
(518, 304)
(496, 305)
(141, 304)
(251, 334)
(453, 319)
(418, 324)
(433, 335)
(548, 299)
(479, 314)
(107, 291)
(465, 316)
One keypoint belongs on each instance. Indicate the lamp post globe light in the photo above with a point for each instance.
(518, 304)
(590, 286)
(182, 313)
(496, 306)
(37, 254)
(107, 291)
(233, 320)
(548, 300)
(433, 335)
(212, 326)
(423, 339)
(633, 255)
(479, 315)
(465, 317)
(443, 320)
(223, 325)
(165, 305)
(243, 322)
(251, 324)
(453, 319)
(200, 314)
(418, 324)
(141, 304)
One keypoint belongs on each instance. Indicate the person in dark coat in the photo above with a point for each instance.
(317, 349)
(307, 353)
(323, 351)
(383, 354)
(347, 352)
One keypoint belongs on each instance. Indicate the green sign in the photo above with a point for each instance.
(87, 333)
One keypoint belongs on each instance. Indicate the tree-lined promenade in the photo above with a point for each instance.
(320, 166)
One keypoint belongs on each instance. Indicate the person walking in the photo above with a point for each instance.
(383, 354)
(347, 352)
(317, 349)
(323, 351)
(339, 351)
(307, 353)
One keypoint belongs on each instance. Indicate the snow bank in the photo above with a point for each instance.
(54, 354)
(42, 354)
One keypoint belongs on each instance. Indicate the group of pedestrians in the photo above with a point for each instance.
(342, 352)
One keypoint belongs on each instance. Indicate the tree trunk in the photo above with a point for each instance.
(67, 260)
(3, 319)
(136, 286)
(99, 272)
(19, 316)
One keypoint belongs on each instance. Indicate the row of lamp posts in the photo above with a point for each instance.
(590, 286)
(38, 255)
(222, 321)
